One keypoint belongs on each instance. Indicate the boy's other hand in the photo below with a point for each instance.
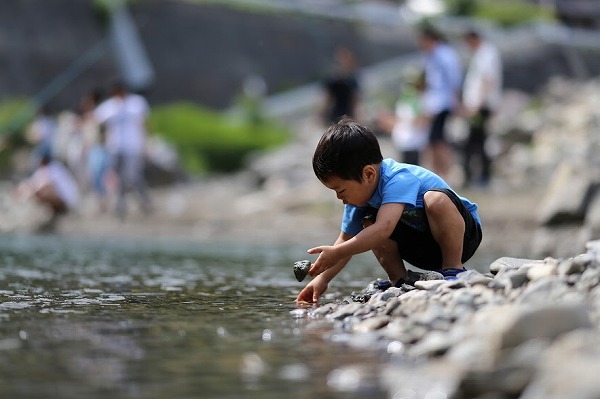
(327, 258)
(312, 292)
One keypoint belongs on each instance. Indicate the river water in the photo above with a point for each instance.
(91, 319)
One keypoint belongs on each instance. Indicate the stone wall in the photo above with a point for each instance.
(203, 53)
(200, 53)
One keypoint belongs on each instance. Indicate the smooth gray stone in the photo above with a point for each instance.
(301, 269)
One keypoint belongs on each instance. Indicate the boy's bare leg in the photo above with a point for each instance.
(389, 258)
(447, 227)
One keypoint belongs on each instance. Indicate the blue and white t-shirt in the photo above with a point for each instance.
(400, 183)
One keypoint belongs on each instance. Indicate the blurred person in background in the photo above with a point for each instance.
(40, 133)
(341, 88)
(443, 81)
(482, 94)
(408, 125)
(99, 170)
(124, 115)
(88, 125)
(53, 185)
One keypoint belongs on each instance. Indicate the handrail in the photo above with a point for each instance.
(42, 97)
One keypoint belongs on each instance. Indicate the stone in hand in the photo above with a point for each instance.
(301, 269)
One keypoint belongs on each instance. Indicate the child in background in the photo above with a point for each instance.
(408, 125)
(401, 212)
(99, 167)
(410, 128)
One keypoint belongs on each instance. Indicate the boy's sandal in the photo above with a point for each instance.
(451, 273)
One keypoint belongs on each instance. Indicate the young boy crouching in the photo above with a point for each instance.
(399, 211)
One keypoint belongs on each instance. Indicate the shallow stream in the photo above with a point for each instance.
(130, 319)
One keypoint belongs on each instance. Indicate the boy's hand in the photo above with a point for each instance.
(328, 258)
(312, 291)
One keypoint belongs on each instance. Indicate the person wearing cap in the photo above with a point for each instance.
(482, 93)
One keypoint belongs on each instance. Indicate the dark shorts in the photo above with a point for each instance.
(437, 130)
(416, 243)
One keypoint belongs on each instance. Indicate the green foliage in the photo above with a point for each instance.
(15, 114)
(505, 13)
(208, 141)
(461, 7)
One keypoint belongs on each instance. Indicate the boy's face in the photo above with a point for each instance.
(351, 191)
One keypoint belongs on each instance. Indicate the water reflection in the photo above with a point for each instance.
(162, 320)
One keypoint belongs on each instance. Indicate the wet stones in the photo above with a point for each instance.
(480, 325)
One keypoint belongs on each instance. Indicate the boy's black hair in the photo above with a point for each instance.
(344, 150)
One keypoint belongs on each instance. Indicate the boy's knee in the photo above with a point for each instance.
(439, 206)
(437, 200)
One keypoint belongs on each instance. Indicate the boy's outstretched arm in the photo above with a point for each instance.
(370, 237)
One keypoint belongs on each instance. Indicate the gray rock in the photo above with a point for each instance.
(568, 369)
(574, 265)
(545, 290)
(371, 324)
(568, 194)
(429, 285)
(434, 343)
(473, 277)
(503, 382)
(559, 240)
(548, 322)
(345, 310)
(512, 279)
(508, 263)
(541, 270)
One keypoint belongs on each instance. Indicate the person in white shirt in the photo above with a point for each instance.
(53, 185)
(482, 93)
(124, 115)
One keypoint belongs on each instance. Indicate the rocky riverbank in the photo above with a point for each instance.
(526, 329)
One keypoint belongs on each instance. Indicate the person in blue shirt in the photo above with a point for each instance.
(443, 81)
(401, 212)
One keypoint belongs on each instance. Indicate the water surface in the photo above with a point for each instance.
(131, 319)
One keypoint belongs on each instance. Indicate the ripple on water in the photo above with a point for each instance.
(83, 301)
(33, 274)
(169, 283)
(117, 279)
(92, 291)
(60, 311)
(112, 297)
(15, 305)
